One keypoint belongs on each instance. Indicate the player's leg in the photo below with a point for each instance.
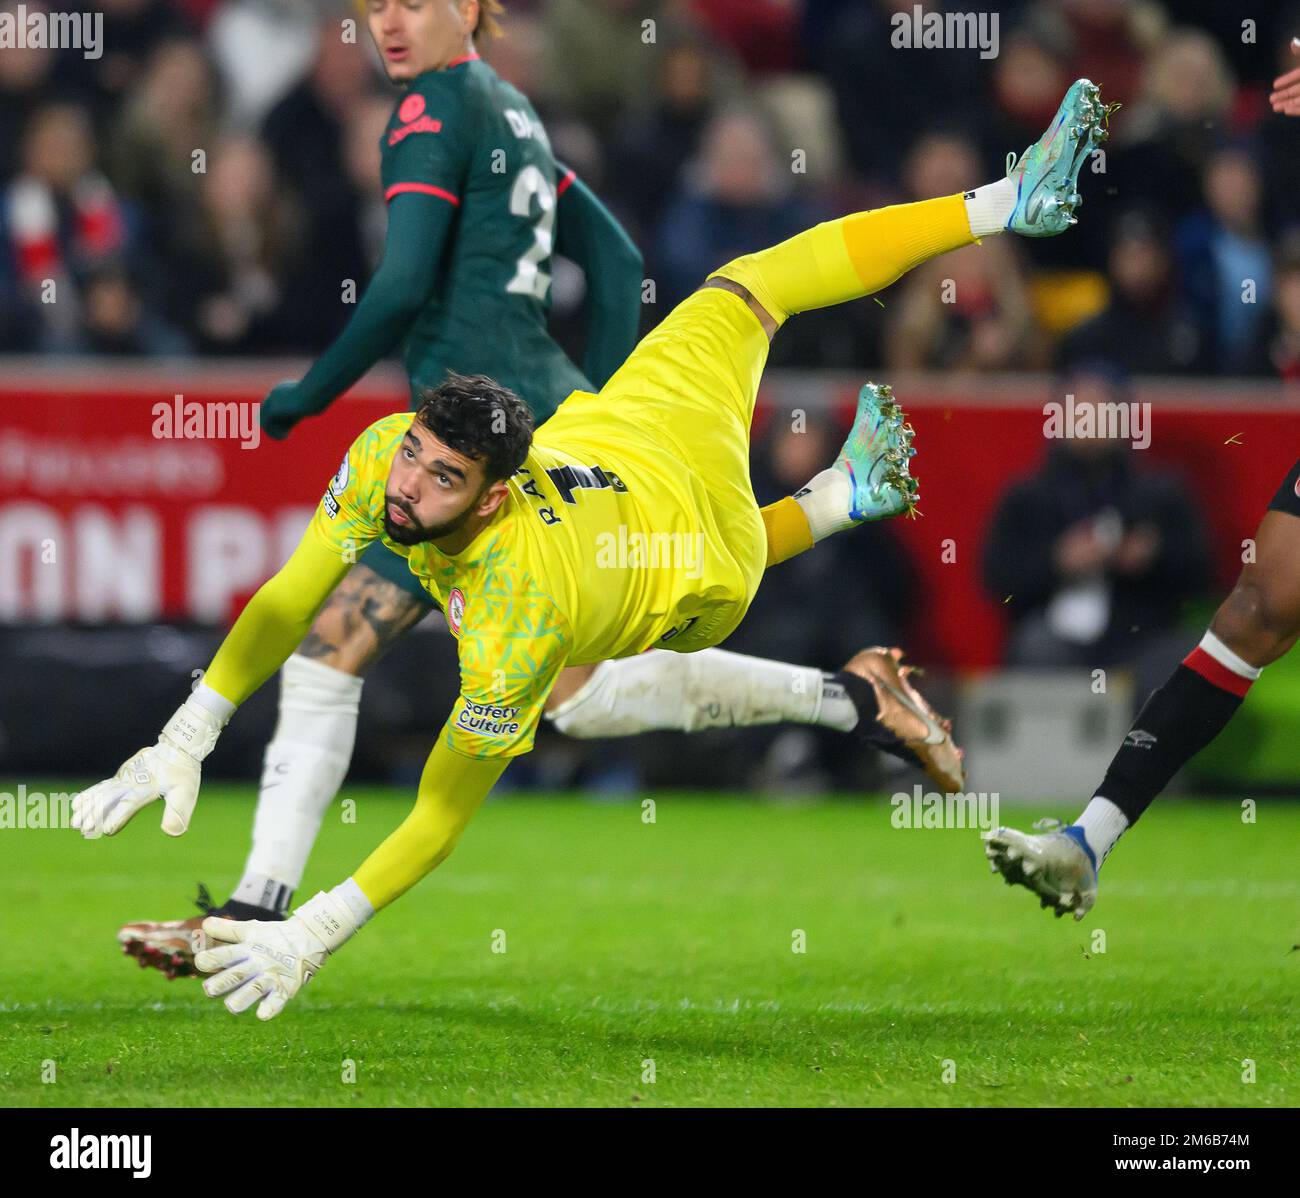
(845, 259)
(701, 367)
(656, 691)
(1257, 623)
(309, 753)
(704, 362)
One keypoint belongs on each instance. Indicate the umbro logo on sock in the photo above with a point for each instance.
(1137, 739)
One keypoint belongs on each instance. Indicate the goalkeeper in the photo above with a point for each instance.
(477, 204)
(508, 533)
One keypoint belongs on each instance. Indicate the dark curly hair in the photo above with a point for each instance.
(481, 419)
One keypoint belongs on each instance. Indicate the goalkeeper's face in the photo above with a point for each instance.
(413, 36)
(435, 493)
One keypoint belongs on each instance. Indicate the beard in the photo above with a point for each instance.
(416, 533)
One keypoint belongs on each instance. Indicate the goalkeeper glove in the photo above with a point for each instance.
(271, 961)
(168, 770)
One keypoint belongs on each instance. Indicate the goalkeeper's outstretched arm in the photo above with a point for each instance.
(451, 788)
(264, 963)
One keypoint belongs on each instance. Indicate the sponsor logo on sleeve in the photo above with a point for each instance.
(338, 484)
(483, 719)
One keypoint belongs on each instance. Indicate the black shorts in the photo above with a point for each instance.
(1287, 498)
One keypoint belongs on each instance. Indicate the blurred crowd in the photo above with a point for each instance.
(206, 184)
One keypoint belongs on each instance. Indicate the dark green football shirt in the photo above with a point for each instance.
(466, 137)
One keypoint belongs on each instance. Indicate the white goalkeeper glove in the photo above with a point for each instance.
(260, 959)
(168, 770)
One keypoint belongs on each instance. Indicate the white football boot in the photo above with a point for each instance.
(1057, 864)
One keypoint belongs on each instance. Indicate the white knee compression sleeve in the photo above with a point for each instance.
(304, 767)
(687, 692)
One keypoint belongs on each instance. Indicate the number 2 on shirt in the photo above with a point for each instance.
(529, 278)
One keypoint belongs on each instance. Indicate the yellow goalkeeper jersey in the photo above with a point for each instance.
(631, 524)
(606, 545)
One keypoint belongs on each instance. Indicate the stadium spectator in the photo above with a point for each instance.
(1028, 76)
(736, 199)
(61, 220)
(24, 79)
(1277, 349)
(1279, 138)
(1093, 556)
(763, 33)
(886, 97)
(1147, 327)
(1163, 142)
(131, 31)
(1025, 84)
(969, 310)
(650, 148)
(1109, 40)
(117, 321)
(602, 55)
(1225, 262)
(305, 134)
(362, 134)
(262, 48)
(168, 118)
(230, 273)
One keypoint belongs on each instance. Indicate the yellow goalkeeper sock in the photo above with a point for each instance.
(788, 531)
(846, 259)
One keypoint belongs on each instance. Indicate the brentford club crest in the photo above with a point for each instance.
(455, 609)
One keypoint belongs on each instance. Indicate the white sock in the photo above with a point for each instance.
(687, 692)
(304, 767)
(826, 502)
(1228, 659)
(1103, 824)
(988, 208)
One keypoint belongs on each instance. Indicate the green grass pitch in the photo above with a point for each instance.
(925, 981)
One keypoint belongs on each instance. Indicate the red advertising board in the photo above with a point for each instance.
(107, 514)
(113, 507)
